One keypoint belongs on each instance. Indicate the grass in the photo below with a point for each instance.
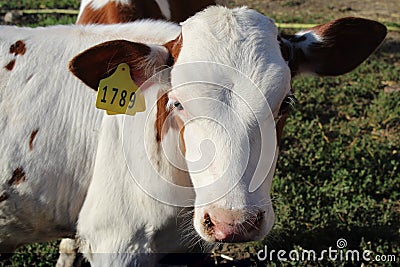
(34, 20)
(44, 254)
(338, 174)
(34, 4)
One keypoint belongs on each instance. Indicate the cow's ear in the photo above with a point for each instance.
(100, 61)
(333, 48)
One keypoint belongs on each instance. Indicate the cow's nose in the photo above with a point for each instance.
(232, 225)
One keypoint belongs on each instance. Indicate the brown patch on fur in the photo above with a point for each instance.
(3, 197)
(164, 122)
(98, 62)
(174, 47)
(18, 48)
(347, 42)
(10, 65)
(113, 13)
(162, 115)
(32, 138)
(18, 177)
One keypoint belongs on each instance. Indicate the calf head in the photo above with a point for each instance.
(229, 80)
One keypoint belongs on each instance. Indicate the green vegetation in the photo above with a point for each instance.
(45, 254)
(338, 174)
(34, 4)
(33, 20)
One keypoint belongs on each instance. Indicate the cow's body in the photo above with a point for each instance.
(39, 95)
(125, 179)
(122, 11)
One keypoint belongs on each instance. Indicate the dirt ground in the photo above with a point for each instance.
(320, 11)
(385, 11)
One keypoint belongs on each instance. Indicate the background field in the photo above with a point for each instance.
(338, 174)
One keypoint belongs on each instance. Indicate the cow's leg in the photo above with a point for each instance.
(69, 255)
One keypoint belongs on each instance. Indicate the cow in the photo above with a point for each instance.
(195, 165)
(122, 11)
(112, 12)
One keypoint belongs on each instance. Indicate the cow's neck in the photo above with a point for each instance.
(160, 142)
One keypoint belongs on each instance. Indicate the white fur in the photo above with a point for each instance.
(68, 249)
(81, 152)
(60, 166)
(248, 43)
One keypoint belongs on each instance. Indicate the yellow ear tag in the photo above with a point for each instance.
(118, 93)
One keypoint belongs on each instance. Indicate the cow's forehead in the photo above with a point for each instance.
(226, 32)
(241, 39)
(218, 19)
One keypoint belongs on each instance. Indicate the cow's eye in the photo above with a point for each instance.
(178, 105)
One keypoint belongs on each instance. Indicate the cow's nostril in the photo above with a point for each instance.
(233, 226)
(207, 221)
(259, 218)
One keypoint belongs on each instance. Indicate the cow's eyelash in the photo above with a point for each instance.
(170, 104)
(174, 104)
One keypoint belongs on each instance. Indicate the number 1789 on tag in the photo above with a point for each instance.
(118, 94)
